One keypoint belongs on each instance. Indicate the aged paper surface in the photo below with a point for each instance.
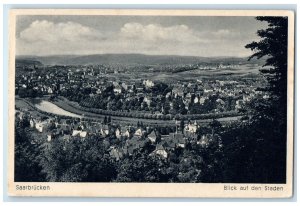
(147, 188)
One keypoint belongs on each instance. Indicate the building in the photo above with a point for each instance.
(153, 137)
(125, 132)
(40, 126)
(138, 133)
(148, 83)
(79, 132)
(160, 151)
(117, 89)
(118, 133)
(104, 130)
(192, 128)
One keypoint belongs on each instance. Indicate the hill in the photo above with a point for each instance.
(131, 59)
(25, 61)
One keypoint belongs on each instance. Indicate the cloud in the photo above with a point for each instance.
(48, 38)
(156, 32)
(51, 32)
(45, 37)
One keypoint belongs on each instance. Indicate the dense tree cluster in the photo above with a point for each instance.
(88, 160)
(27, 167)
(256, 150)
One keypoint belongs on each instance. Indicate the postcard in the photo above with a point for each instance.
(151, 103)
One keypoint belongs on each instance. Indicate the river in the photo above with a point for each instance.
(52, 108)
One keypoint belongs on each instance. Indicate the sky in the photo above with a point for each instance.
(154, 35)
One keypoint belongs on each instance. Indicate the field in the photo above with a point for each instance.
(245, 70)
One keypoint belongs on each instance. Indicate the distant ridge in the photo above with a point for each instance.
(28, 62)
(131, 59)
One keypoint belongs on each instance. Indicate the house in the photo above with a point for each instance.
(153, 136)
(192, 128)
(168, 94)
(40, 126)
(202, 100)
(177, 92)
(160, 151)
(115, 83)
(117, 89)
(168, 141)
(125, 86)
(139, 90)
(199, 81)
(147, 100)
(196, 100)
(138, 133)
(179, 140)
(148, 83)
(79, 132)
(118, 133)
(32, 123)
(174, 140)
(220, 101)
(125, 132)
(166, 136)
(98, 91)
(238, 104)
(49, 137)
(188, 97)
(53, 134)
(266, 96)
(104, 130)
(50, 91)
(208, 90)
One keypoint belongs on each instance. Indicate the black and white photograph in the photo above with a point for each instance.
(131, 98)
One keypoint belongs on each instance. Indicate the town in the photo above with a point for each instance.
(101, 89)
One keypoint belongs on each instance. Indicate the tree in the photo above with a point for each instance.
(140, 167)
(27, 168)
(77, 160)
(181, 125)
(273, 45)
(215, 126)
(109, 119)
(257, 152)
